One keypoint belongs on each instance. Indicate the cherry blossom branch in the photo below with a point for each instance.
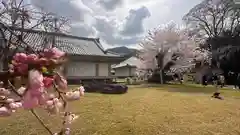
(14, 89)
(40, 72)
(65, 106)
(32, 110)
(41, 122)
(60, 95)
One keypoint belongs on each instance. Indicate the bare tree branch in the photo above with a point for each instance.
(213, 15)
(17, 15)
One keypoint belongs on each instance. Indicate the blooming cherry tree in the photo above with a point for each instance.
(172, 46)
(45, 87)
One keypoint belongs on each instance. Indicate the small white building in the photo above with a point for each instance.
(127, 68)
(87, 60)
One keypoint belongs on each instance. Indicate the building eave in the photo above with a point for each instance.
(96, 58)
(70, 44)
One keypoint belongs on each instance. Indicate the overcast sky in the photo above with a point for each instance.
(117, 22)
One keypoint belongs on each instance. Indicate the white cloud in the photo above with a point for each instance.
(117, 22)
(134, 21)
(110, 4)
(73, 9)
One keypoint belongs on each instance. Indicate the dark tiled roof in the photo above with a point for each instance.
(70, 44)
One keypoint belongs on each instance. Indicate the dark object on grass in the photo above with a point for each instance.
(90, 88)
(105, 88)
(217, 95)
(114, 89)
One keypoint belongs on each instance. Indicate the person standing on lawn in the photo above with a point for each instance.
(235, 79)
(238, 81)
(204, 80)
(221, 81)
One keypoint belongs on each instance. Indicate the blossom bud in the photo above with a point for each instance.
(18, 104)
(67, 131)
(13, 106)
(49, 102)
(73, 95)
(51, 96)
(21, 90)
(10, 100)
(82, 90)
(2, 97)
(4, 111)
(4, 91)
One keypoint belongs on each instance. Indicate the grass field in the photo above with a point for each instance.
(144, 110)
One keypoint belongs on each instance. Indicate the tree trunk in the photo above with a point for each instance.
(161, 76)
(5, 64)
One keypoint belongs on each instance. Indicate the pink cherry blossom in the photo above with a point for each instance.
(32, 58)
(4, 111)
(47, 81)
(53, 53)
(20, 57)
(22, 68)
(33, 99)
(35, 92)
(43, 61)
(35, 79)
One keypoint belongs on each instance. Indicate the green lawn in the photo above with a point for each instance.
(152, 110)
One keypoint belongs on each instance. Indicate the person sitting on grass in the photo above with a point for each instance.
(215, 83)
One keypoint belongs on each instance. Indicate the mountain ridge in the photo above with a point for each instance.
(124, 51)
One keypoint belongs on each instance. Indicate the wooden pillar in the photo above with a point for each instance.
(109, 70)
(1, 65)
(97, 69)
(65, 70)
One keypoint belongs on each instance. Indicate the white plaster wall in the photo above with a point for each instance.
(76, 69)
(103, 69)
(133, 71)
(122, 72)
